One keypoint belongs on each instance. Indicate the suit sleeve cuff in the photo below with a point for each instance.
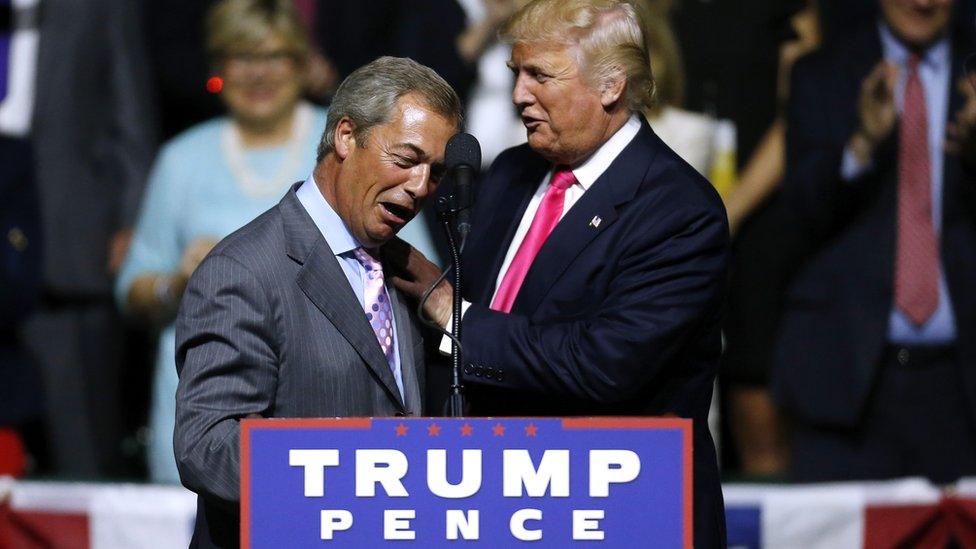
(850, 168)
(445, 346)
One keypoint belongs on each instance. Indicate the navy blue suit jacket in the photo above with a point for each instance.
(836, 317)
(20, 280)
(619, 317)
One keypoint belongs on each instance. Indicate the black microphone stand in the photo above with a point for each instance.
(447, 210)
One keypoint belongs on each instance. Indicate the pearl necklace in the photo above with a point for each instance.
(250, 182)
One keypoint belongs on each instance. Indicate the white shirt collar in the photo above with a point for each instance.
(936, 55)
(326, 219)
(593, 167)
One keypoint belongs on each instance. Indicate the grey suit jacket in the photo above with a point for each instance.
(94, 135)
(269, 325)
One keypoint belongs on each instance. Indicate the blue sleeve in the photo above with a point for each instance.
(155, 243)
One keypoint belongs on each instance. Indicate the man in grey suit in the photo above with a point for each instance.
(290, 316)
(86, 108)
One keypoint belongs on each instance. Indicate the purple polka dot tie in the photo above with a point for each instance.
(376, 302)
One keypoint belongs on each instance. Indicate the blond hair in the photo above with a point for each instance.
(662, 45)
(239, 25)
(609, 36)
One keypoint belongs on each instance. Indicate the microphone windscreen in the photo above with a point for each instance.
(463, 150)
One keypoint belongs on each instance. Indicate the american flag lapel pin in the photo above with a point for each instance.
(595, 222)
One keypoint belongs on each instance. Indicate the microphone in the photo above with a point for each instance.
(462, 156)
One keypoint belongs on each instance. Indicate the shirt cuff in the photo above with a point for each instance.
(445, 346)
(851, 168)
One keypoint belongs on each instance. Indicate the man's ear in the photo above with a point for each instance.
(613, 89)
(344, 138)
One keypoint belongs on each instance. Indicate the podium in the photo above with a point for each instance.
(472, 482)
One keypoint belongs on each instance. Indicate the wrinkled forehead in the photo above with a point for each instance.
(419, 128)
(547, 55)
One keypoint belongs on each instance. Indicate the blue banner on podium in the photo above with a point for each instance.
(480, 482)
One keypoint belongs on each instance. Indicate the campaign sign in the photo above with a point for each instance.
(479, 482)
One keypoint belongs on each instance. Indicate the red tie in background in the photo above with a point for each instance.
(917, 255)
(548, 214)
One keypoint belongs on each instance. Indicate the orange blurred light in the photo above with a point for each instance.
(215, 84)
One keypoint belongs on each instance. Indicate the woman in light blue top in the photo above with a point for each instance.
(217, 176)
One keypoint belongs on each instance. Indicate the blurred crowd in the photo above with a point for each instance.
(135, 135)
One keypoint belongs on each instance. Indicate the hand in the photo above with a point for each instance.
(194, 254)
(118, 247)
(412, 273)
(876, 109)
(961, 130)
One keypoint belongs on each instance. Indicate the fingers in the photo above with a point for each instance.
(876, 104)
(961, 130)
(890, 79)
(967, 87)
(951, 144)
(879, 83)
(396, 245)
(412, 288)
(401, 254)
(403, 285)
(399, 259)
(878, 86)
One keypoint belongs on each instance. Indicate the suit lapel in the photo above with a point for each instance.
(884, 269)
(961, 47)
(484, 259)
(409, 371)
(592, 214)
(326, 286)
(952, 172)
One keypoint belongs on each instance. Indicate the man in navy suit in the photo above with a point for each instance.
(878, 344)
(596, 265)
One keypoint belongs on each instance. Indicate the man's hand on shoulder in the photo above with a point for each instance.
(413, 274)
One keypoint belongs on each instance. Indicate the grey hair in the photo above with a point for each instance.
(369, 95)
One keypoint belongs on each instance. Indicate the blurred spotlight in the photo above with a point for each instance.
(215, 84)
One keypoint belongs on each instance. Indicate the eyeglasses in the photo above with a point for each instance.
(275, 61)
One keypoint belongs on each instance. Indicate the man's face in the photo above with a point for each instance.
(384, 181)
(917, 22)
(563, 114)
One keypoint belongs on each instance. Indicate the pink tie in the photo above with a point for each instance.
(917, 254)
(376, 303)
(546, 217)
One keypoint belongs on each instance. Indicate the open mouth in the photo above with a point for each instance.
(399, 213)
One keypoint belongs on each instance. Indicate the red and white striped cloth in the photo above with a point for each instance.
(909, 512)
